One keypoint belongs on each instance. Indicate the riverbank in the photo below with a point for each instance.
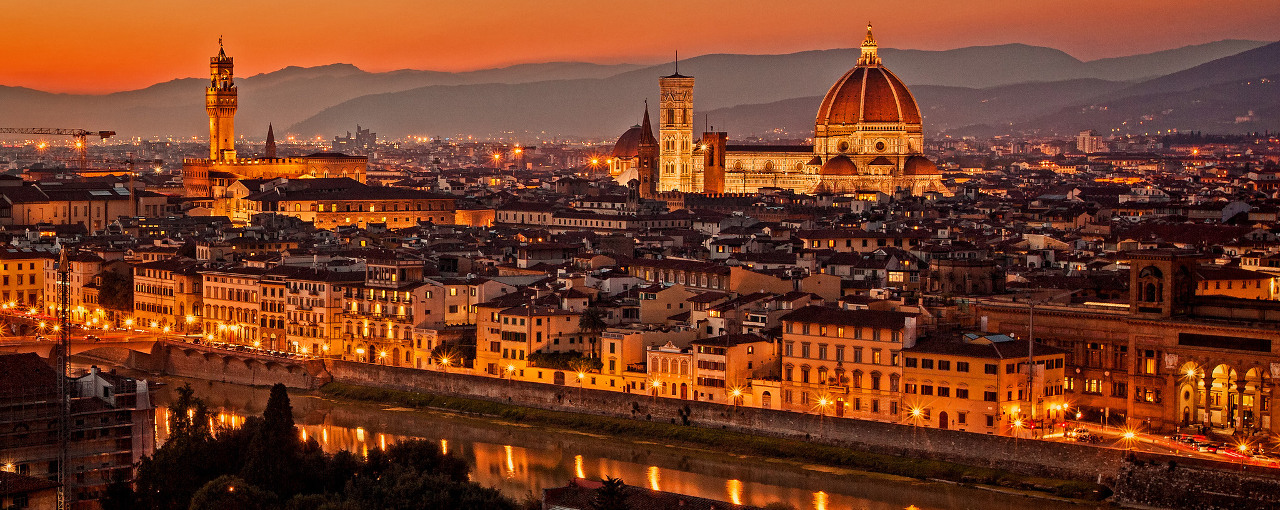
(725, 441)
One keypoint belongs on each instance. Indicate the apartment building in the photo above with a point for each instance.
(844, 362)
(980, 384)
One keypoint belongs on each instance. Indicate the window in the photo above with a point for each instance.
(962, 393)
(875, 357)
(822, 351)
(944, 364)
(990, 369)
(926, 363)
(909, 388)
(990, 396)
(910, 362)
(944, 391)
(1093, 386)
(962, 366)
(926, 389)
(804, 350)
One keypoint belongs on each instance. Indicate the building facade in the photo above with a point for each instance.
(867, 136)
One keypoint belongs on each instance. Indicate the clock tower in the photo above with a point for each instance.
(220, 101)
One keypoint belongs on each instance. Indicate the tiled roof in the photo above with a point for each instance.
(867, 318)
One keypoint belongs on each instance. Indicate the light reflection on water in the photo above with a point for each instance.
(522, 460)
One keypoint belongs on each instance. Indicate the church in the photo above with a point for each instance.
(210, 178)
(867, 137)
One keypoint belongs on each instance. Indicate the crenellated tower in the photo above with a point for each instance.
(220, 101)
(675, 129)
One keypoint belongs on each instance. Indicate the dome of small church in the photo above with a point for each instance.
(868, 93)
(628, 145)
(919, 165)
(839, 165)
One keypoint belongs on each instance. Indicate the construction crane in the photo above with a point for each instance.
(82, 146)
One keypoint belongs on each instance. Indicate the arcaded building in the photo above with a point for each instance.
(1168, 358)
(210, 177)
(867, 137)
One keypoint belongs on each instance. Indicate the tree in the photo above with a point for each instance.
(611, 496)
(115, 291)
(425, 457)
(185, 462)
(272, 459)
(231, 492)
(592, 321)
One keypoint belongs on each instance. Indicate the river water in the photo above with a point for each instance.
(519, 460)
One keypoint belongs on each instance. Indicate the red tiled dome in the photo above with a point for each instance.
(868, 94)
(628, 145)
(839, 165)
(919, 165)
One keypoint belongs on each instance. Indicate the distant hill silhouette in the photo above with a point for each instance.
(976, 85)
(1215, 97)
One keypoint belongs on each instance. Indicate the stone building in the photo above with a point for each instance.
(210, 177)
(843, 363)
(1169, 358)
(867, 136)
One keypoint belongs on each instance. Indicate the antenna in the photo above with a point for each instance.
(677, 62)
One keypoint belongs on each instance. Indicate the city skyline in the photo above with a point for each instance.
(106, 48)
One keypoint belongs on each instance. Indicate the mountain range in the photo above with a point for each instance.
(1210, 87)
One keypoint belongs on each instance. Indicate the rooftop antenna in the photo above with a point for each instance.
(677, 62)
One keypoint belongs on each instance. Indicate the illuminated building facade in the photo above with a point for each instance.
(867, 137)
(209, 177)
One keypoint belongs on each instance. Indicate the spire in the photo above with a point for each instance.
(869, 56)
(270, 150)
(646, 129)
(222, 53)
(676, 62)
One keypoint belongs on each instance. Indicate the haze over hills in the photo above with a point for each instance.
(745, 94)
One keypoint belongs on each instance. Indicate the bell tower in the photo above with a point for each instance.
(220, 101)
(647, 157)
(675, 132)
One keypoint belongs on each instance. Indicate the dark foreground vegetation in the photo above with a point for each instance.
(265, 465)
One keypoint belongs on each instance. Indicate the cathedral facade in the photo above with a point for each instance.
(867, 137)
(211, 177)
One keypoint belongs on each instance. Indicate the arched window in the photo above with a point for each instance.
(856, 378)
(893, 382)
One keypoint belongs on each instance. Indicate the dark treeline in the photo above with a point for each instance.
(265, 465)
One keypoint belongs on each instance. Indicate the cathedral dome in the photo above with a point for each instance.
(839, 165)
(868, 93)
(628, 145)
(919, 165)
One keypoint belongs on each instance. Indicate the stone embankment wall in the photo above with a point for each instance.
(1029, 457)
(1171, 483)
(199, 362)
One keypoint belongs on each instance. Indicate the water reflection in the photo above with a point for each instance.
(520, 460)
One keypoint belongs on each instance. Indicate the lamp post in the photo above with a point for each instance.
(823, 402)
(581, 377)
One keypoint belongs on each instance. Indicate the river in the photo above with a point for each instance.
(519, 460)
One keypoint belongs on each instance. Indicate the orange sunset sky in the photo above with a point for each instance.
(111, 45)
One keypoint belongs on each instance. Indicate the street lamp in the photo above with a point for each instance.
(581, 376)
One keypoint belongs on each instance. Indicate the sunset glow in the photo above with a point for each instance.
(103, 47)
